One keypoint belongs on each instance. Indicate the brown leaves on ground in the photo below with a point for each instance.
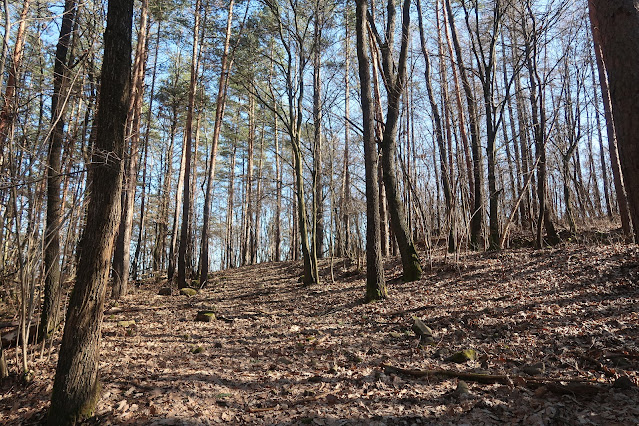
(281, 353)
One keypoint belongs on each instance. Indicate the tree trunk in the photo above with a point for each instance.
(8, 112)
(122, 253)
(186, 200)
(278, 192)
(538, 107)
(318, 190)
(258, 201)
(217, 126)
(229, 210)
(477, 215)
(49, 317)
(76, 389)
(248, 224)
(345, 205)
(602, 155)
(439, 135)
(375, 281)
(396, 80)
(136, 257)
(605, 38)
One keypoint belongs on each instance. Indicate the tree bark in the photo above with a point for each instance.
(217, 126)
(477, 214)
(76, 389)
(605, 82)
(375, 281)
(49, 316)
(318, 190)
(395, 77)
(230, 263)
(439, 134)
(8, 112)
(122, 254)
(186, 200)
(345, 205)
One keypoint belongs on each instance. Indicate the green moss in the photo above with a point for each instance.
(197, 350)
(126, 324)
(412, 268)
(89, 406)
(188, 291)
(463, 356)
(205, 316)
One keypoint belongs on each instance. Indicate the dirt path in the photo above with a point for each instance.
(280, 353)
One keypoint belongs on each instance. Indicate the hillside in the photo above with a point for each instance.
(281, 353)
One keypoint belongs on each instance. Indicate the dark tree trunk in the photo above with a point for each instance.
(49, 317)
(396, 78)
(477, 214)
(617, 22)
(607, 42)
(122, 254)
(230, 263)
(318, 190)
(375, 281)
(439, 135)
(278, 192)
(217, 126)
(185, 237)
(76, 388)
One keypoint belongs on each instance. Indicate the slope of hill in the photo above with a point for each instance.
(549, 336)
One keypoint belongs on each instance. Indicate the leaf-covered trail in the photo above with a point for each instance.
(280, 353)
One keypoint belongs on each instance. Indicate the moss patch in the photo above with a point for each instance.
(188, 291)
(205, 316)
(463, 356)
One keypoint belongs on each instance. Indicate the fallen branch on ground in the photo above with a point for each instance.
(574, 384)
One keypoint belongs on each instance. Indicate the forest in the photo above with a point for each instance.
(315, 212)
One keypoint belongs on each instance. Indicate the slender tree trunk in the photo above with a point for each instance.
(344, 247)
(258, 201)
(439, 135)
(8, 112)
(396, 78)
(76, 388)
(136, 257)
(49, 317)
(477, 215)
(375, 281)
(159, 250)
(122, 254)
(5, 47)
(217, 126)
(460, 112)
(248, 225)
(379, 130)
(602, 156)
(318, 190)
(229, 210)
(278, 191)
(186, 200)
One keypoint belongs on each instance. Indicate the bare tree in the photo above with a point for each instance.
(395, 81)
(185, 235)
(49, 317)
(76, 388)
(375, 281)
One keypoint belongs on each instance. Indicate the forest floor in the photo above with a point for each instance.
(555, 329)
